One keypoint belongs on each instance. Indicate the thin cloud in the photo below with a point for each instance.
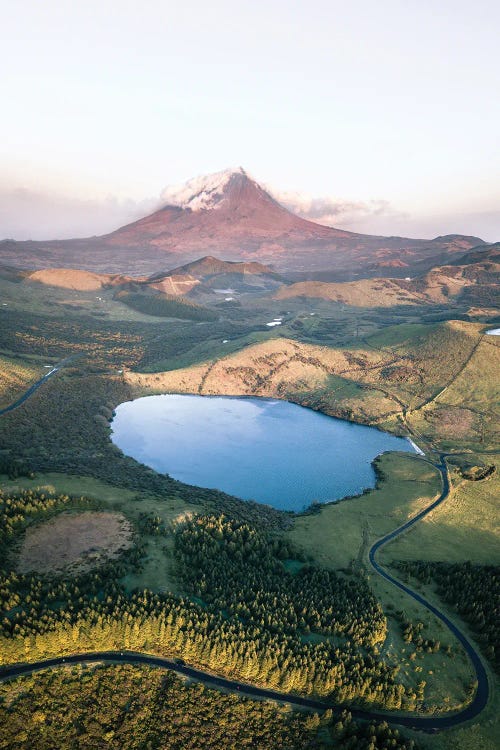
(30, 214)
(334, 211)
(380, 217)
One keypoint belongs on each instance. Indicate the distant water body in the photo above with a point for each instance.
(494, 332)
(259, 449)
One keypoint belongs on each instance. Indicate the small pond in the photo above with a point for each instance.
(258, 449)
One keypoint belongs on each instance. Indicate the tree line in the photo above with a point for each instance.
(49, 615)
(472, 590)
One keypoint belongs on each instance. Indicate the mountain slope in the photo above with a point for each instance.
(72, 278)
(230, 214)
(475, 279)
(211, 266)
(238, 210)
(209, 274)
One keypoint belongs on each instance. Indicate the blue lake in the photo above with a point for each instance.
(255, 448)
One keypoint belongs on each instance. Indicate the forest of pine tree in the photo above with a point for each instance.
(265, 640)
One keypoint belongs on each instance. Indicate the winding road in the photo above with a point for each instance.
(31, 390)
(423, 723)
(481, 696)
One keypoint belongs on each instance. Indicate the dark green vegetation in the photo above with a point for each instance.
(165, 306)
(14, 467)
(105, 344)
(472, 590)
(260, 636)
(240, 570)
(473, 470)
(131, 708)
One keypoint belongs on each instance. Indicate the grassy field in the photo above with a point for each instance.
(465, 527)
(341, 532)
(340, 536)
(72, 543)
(479, 735)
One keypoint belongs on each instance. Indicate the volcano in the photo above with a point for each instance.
(228, 214)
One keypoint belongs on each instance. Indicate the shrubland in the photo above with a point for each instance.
(140, 707)
(16, 375)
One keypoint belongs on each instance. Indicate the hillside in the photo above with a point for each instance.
(210, 275)
(424, 370)
(176, 284)
(208, 266)
(78, 280)
(363, 293)
(475, 279)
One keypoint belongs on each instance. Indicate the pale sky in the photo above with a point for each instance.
(390, 107)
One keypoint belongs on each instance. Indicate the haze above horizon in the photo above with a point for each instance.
(380, 119)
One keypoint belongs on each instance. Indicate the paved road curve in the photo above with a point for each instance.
(428, 724)
(31, 390)
(482, 693)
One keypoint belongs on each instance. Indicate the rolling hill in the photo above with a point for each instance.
(474, 279)
(210, 275)
(76, 279)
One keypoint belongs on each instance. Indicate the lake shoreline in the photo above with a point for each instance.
(267, 450)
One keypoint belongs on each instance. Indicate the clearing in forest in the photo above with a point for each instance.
(77, 541)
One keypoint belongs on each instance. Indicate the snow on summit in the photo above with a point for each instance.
(201, 193)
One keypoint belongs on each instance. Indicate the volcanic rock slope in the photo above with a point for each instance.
(230, 215)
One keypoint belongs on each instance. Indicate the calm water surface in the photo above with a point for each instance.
(255, 448)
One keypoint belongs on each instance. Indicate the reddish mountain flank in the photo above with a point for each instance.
(230, 215)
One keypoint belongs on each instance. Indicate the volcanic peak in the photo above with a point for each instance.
(204, 192)
(230, 214)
